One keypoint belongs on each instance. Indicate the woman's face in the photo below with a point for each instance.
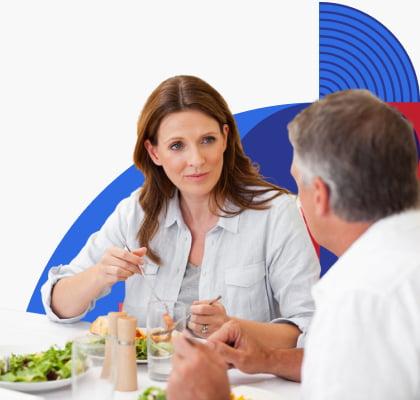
(190, 147)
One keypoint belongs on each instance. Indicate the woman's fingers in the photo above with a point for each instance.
(123, 259)
(203, 319)
(119, 273)
(198, 329)
(204, 309)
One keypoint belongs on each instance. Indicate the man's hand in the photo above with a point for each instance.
(239, 349)
(246, 352)
(198, 373)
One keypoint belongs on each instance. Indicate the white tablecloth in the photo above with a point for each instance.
(22, 328)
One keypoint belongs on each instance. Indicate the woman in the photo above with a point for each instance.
(211, 226)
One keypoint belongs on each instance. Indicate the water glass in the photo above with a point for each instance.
(160, 316)
(88, 354)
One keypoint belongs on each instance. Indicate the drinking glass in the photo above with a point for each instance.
(88, 354)
(160, 316)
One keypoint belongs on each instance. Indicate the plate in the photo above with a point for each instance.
(254, 393)
(30, 386)
(36, 386)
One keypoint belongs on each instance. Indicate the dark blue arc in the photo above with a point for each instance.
(370, 53)
(328, 80)
(337, 69)
(326, 56)
(324, 90)
(333, 73)
(395, 46)
(367, 62)
(374, 42)
(381, 43)
(371, 84)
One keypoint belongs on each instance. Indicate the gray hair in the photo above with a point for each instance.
(363, 149)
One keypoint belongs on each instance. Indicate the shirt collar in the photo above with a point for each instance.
(227, 222)
(173, 211)
(173, 214)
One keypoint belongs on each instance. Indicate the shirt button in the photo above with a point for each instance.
(203, 273)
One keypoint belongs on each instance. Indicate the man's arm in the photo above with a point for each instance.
(279, 335)
(241, 349)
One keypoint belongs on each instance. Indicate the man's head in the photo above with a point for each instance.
(354, 158)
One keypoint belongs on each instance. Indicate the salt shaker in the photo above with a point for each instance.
(110, 343)
(126, 379)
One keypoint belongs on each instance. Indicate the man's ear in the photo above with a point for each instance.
(152, 152)
(321, 197)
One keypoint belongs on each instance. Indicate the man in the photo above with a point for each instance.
(355, 164)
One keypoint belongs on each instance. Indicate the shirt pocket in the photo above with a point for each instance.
(246, 295)
(150, 270)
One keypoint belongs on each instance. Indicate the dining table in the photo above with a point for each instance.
(20, 328)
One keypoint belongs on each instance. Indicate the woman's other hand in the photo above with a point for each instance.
(207, 318)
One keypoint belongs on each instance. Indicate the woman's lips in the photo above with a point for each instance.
(197, 176)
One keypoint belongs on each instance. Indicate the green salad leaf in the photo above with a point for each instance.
(141, 349)
(50, 365)
(153, 393)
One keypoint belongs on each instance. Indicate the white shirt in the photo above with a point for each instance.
(364, 341)
(262, 262)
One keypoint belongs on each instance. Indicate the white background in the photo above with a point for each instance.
(75, 74)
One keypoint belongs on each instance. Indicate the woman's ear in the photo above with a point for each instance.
(225, 135)
(152, 152)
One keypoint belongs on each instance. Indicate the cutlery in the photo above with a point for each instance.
(152, 289)
(168, 331)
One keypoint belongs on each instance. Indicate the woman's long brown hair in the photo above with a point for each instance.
(240, 182)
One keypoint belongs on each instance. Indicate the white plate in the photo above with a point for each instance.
(36, 386)
(30, 386)
(254, 393)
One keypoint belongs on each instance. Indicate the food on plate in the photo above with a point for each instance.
(234, 397)
(141, 348)
(51, 365)
(156, 393)
(100, 327)
(153, 393)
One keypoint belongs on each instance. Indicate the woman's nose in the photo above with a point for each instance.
(196, 158)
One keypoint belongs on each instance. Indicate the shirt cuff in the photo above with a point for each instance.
(300, 322)
(54, 275)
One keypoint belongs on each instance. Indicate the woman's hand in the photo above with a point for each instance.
(207, 318)
(119, 264)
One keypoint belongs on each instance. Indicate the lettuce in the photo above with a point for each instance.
(50, 365)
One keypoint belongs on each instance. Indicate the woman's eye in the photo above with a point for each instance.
(176, 146)
(209, 139)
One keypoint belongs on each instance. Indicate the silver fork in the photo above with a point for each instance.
(152, 289)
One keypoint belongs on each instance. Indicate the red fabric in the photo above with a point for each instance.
(412, 112)
(314, 242)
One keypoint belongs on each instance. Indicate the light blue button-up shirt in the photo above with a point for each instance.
(262, 262)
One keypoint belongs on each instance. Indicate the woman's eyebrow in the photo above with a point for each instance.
(172, 138)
